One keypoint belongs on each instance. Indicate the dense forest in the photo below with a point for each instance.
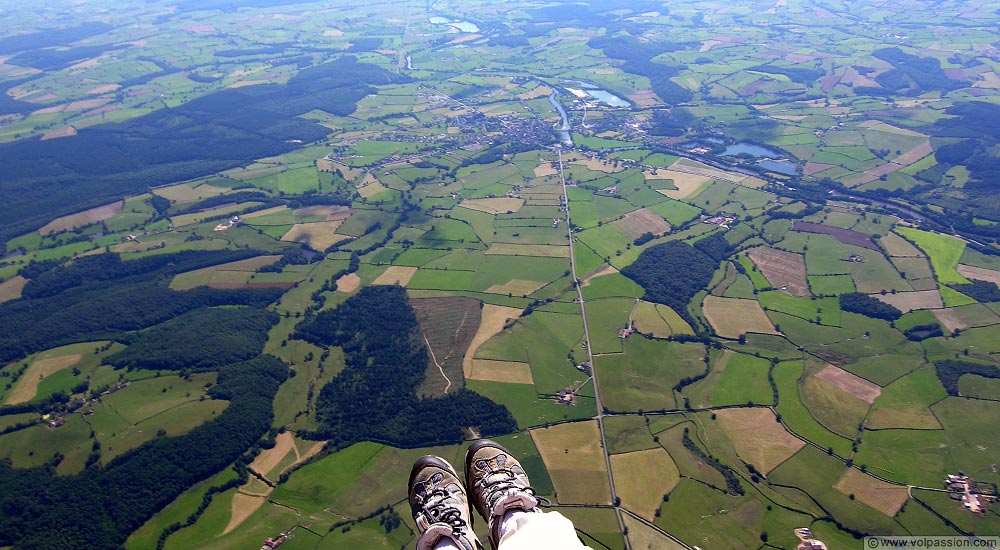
(199, 339)
(51, 37)
(374, 397)
(43, 179)
(672, 273)
(638, 57)
(100, 507)
(914, 74)
(103, 303)
(855, 302)
(981, 291)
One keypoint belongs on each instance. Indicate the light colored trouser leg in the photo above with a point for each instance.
(540, 531)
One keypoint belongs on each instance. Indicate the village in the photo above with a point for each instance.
(57, 418)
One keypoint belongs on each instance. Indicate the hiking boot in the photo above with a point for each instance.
(497, 484)
(440, 505)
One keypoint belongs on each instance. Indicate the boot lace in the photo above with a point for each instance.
(440, 511)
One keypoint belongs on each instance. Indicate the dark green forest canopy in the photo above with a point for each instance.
(43, 179)
(855, 302)
(109, 297)
(199, 339)
(374, 397)
(100, 507)
(672, 273)
(949, 372)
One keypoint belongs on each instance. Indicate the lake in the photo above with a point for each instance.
(607, 97)
(462, 26)
(770, 159)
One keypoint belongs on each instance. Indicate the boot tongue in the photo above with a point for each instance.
(513, 499)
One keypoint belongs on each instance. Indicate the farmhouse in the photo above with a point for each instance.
(974, 497)
(807, 542)
(275, 542)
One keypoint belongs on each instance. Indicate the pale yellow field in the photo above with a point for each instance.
(638, 222)
(348, 283)
(516, 287)
(68, 131)
(913, 417)
(979, 273)
(884, 497)
(511, 372)
(898, 246)
(573, 456)
(499, 205)
(11, 288)
(183, 192)
(27, 385)
(606, 270)
(540, 91)
(696, 167)
(785, 270)
(850, 383)
(731, 317)
(659, 321)
(269, 458)
(643, 537)
(543, 250)
(879, 126)
(243, 506)
(961, 318)
(81, 219)
(599, 165)
(758, 438)
(396, 274)
(371, 186)
(318, 235)
(686, 184)
(909, 301)
(545, 169)
(915, 154)
(264, 212)
(493, 319)
(642, 478)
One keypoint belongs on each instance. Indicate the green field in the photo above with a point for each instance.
(943, 251)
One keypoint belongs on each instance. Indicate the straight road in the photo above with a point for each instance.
(590, 354)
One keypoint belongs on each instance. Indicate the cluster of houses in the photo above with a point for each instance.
(85, 407)
(722, 220)
(974, 496)
(234, 221)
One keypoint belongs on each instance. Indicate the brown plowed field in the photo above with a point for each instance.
(884, 497)
(782, 269)
(759, 439)
(448, 326)
(854, 385)
(641, 221)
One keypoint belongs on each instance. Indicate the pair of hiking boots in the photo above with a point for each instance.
(496, 482)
